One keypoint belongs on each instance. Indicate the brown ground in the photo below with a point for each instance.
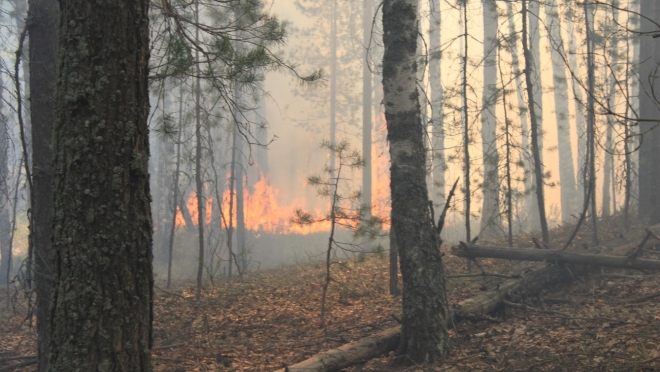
(272, 320)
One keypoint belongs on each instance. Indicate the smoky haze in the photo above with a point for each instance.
(288, 121)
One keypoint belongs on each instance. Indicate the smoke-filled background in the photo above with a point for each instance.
(248, 138)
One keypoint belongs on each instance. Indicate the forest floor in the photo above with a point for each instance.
(603, 322)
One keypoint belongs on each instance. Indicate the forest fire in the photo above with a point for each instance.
(264, 212)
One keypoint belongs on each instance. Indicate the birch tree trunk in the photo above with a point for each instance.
(491, 220)
(437, 114)
(424, 330)
(568, 188)
(578, 103)
(533, 63)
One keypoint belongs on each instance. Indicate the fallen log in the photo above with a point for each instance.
(351, 353)
(531, 282)
(467, 250)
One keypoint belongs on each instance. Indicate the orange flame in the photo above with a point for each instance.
(264, 213)
(191, 205)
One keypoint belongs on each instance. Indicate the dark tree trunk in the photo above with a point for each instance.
(424, 329)
(199, 185)
(536, 148)
(102, 306)
(5, 226)
(649, 152)
(394, 265)
(175, 197)
(43, 30)
(240, 205)
(185, 213)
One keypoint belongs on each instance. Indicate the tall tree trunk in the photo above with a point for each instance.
(522, 107)
(534, 52)
(164, 183)
(507, 160)
(241, 246)
(175, 196)
(5, 226)
(43, 29)
(536, 127)
(612, 62)
(333, 87)
(102, 307)
(199, 184)
(466, 130)
(649, 152)
(570, 7)
(491, 220)
(424, 320)
(437, 114)
(568, 188)
(591, 121)
(367, 91)
(628, 137)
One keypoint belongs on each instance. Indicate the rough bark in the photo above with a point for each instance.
(424, 320)
(560, 257)
(649, 152)
(568, 187)
(102, 307)
(491, 219)
(43, 30)
(394, 265)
